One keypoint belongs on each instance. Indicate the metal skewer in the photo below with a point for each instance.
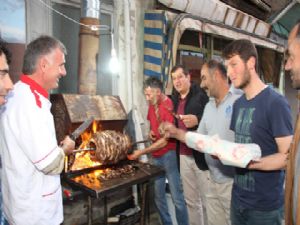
(84, 149)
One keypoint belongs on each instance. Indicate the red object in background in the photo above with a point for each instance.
(68, 194)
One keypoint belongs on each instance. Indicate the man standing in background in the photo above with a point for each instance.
(164, 154)
(189, 102)
(215, 121)
(5, 86)
(292, 188)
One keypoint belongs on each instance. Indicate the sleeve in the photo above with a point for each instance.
(35, 132)
(57, 165)
(280, 118)
(202, 103)
(202, 129)
(166, 112)
(198, 105)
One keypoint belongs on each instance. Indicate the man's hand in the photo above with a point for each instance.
(169, 129)
(68, 145)
(152, 136)
(135, 155)
(189, 120)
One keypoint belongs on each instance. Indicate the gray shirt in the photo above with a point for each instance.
(216, 121)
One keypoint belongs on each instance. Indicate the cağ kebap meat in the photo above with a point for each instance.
(111, 146)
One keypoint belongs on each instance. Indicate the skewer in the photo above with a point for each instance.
(84, 149)
(139, 142)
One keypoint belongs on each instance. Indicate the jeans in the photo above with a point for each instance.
(242, 216)
(169, 162)
(3, 221)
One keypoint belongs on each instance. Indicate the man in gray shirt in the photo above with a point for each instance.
(215, 121)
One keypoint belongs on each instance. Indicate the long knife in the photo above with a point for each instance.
(79, 130)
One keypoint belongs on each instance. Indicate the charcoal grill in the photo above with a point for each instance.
(69, 111)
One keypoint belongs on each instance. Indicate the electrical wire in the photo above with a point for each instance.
(92, 27)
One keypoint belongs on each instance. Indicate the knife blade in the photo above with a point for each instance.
(79, 130)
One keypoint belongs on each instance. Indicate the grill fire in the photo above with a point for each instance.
(100, 144)
(85, 159)
(97, 168)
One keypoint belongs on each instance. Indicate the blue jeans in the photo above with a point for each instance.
(242, 216)
(3, 221)
(169, 162)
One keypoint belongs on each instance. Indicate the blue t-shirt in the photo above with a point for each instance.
(260, 120)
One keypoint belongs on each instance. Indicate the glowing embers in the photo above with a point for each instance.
(93, 179)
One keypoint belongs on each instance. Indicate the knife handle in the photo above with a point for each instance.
(72, 137)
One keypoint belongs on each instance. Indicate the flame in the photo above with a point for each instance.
(95, 127)
(84, 159)
(85, 137)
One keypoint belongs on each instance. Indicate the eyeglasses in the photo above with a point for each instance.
(3, 72)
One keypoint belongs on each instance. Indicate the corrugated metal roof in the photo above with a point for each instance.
(287, 20)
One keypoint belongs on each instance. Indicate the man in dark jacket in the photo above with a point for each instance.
(189, 102)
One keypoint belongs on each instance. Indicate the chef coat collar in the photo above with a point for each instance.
(35, 88)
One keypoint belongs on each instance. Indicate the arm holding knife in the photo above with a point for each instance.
(66, 147)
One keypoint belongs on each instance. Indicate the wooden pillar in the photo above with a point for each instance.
(88, 53)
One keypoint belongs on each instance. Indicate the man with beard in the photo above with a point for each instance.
(5, 86)
(32, 160)
(292, 188)
(215, 121)
(259, 116)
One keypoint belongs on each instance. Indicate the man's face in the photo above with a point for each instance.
(5, 82)
(293, 62)
(207, 81)
(238, 72)
(181, 82)
(151, 95)
(54, 69)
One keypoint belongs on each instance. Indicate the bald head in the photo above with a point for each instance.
(293, 56)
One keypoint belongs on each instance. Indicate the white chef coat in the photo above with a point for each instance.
(28, 145)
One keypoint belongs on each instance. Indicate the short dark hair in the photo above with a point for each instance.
(41, 46)
(213, 65)
(153, 82)
(180, 66)
(242, 47)
(4, 50)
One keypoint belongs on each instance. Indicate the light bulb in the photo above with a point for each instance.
(114, 62)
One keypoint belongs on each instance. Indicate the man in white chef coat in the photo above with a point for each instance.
(31, 158)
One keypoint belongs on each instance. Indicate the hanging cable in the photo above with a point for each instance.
(91, 27)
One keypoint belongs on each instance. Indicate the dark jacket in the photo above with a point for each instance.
(195, 103)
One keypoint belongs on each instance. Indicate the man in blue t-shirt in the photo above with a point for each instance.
(260, 116)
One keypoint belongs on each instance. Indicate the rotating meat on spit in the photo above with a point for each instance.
(111, 146)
